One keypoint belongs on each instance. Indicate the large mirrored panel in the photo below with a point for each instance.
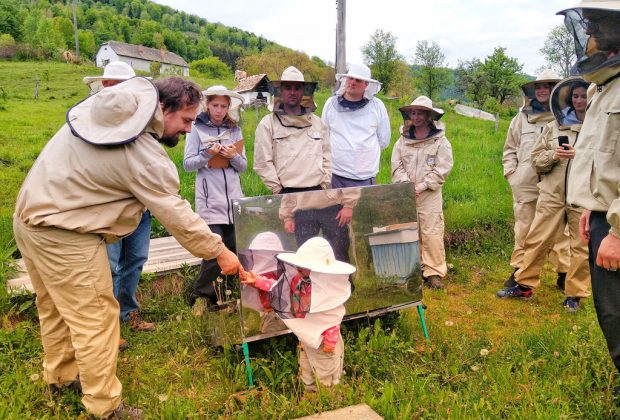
(380, 240)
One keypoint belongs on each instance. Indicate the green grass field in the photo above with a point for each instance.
(487, 358)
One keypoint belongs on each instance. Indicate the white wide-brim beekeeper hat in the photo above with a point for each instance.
(236, 100)
(361, 72)
(116, 70)
(317, 255)
(116, 115)
(546, 76)
(424, 103)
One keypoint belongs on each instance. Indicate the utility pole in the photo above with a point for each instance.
(341, 54)
(75, 31)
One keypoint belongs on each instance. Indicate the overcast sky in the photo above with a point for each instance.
(463, 28)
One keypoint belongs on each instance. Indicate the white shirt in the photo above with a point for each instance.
(357, 137)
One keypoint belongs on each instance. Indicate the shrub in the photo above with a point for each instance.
(8, 47)
(211, 67)
(491, 105)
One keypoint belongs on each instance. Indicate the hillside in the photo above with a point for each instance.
(46, 28)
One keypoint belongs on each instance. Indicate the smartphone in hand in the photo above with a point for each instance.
(563, 142)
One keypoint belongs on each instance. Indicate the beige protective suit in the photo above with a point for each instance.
(74, 198)
(596, 169)
(292, 151)
(427, 163)
(524, 129)
(553, 214)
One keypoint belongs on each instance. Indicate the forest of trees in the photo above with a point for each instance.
(43, 29)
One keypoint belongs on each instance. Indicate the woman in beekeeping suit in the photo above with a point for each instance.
(552, 157)
(524, 129)
(423, 155)
(309, 296)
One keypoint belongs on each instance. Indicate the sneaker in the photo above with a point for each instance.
(123, 411)
(55, 390)
(515, 292)
(561, 281)
(512, 281)
(136, 323)
(571, 304)
(122, 344)
(434, 282)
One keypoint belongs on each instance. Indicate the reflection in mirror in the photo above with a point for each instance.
(373, 228)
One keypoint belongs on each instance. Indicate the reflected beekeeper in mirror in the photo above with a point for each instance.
(595, 173)
(329, 212)
(359, 127)
(524, 129)
(311, 303)
(89, 186)
(291, 147)
(423, 155)
(260, 257)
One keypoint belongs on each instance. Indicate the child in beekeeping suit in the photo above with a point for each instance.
(309, 296)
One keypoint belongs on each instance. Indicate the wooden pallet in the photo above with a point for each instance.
(165, 255)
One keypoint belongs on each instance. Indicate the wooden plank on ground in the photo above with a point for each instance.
(353, 412)
(165, 255)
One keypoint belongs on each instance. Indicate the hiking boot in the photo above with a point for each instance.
(136, 323)
(512, 281)
(434, 282)
(561, 282)
(122, 344)
(571, 304)
(517, 292)
(55, 390)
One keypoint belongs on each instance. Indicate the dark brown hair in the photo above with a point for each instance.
(176, 93)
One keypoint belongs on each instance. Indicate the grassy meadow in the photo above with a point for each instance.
(486, 358)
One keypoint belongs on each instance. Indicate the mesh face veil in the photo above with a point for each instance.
(596, 33)
(307, 100)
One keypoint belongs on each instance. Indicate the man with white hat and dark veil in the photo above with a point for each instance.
(89, 186)
(359, 127)
(291, 146)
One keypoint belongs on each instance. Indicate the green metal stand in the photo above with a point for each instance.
(248, 366)
(422, 321)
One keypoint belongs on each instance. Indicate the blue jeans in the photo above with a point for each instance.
(127, 256)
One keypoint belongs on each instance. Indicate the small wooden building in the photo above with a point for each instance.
(140, 58)
(254, 89)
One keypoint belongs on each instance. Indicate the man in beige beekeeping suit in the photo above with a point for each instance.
(291, 147)
(89, 186)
